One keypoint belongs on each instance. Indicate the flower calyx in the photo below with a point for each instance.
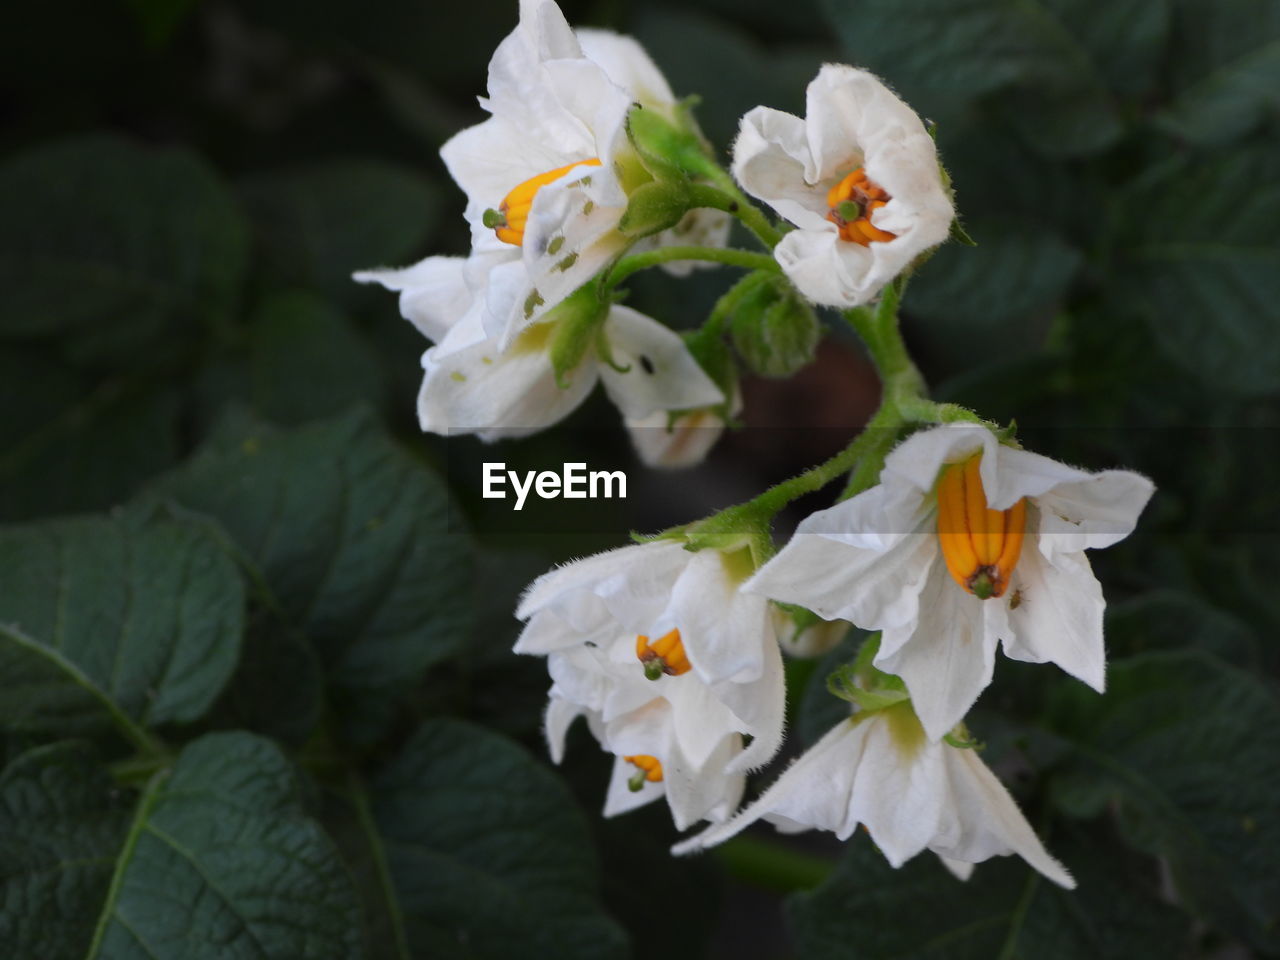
(577, 322)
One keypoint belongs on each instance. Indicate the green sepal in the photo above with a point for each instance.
(577, 320)
(669, 151)
(960, 234)
(654, 207)
(844, 682)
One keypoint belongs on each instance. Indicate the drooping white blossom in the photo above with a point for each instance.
(859, 179)
(649, 760)
(880, 771)
(965, 543)
(654, 631)
(472, 385)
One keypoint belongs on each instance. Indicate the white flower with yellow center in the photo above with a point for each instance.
(472, 385)
(547, 175)
(859, 179)
(650, 761)
(656, 623)
(879, 770)
(963, 544)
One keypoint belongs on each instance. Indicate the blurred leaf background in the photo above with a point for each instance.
(256, 688)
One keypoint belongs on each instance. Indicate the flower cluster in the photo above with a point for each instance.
(950, 541)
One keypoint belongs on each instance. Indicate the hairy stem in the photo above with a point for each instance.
(651, 258)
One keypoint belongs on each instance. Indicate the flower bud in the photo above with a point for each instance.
(774, 331)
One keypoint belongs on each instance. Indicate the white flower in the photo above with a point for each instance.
(655, 622)
(547, 175)
(879, 770)
(674, 442)
(649, 760)
(1013, 527)
(473, 385)
(859, 178)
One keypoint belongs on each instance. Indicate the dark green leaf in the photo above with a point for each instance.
(69, 446)
(278, 688)
(867, 910)
(319, 224)
(1225, 68)
(112, 243)
(1207, 291)
(995, 300)
(308, 361)
(487, 852)
(1169, 619)
(357, 542)
(61, 823)
(139, 622)
(221, 861)
(1047, 66)
(1186, 750)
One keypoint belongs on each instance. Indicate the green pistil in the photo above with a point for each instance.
(494, 219)
(636, 783)
(848, 210)
(653, 669)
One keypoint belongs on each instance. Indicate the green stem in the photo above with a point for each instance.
(768, 864)
(726, 196)
(713, 326)
(726, 255)
(364, 814)
(145, 804)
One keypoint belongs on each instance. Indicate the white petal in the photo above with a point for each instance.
(492, 158)
(899, 789)
(705, 791)
(856, 561)
(725, 634)
(918, 459)
(666, 444)
(1058, 618)
(480, 390)
(770, 159)
(628, 65)
(813, 791)
(1095, 512)
(559, 717)
(761, 707)
(580, 225)
(987, 821)
(947, 657)
(960, 869)
(433, 292)
(634, 582)
(661, 373)
(700, 718)
(620, 798)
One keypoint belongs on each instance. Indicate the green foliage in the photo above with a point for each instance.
(106, 619)
(119, 249)
(353, 542)
(1206, 295)
(218, 859)
(1005, 910)
(229, 569)
(484, 853)
(1187, 751)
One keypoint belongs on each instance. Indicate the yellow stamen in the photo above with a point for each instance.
(980, 545)
(508, 221)
(850, 204)
(665, 655)
(648, 769)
